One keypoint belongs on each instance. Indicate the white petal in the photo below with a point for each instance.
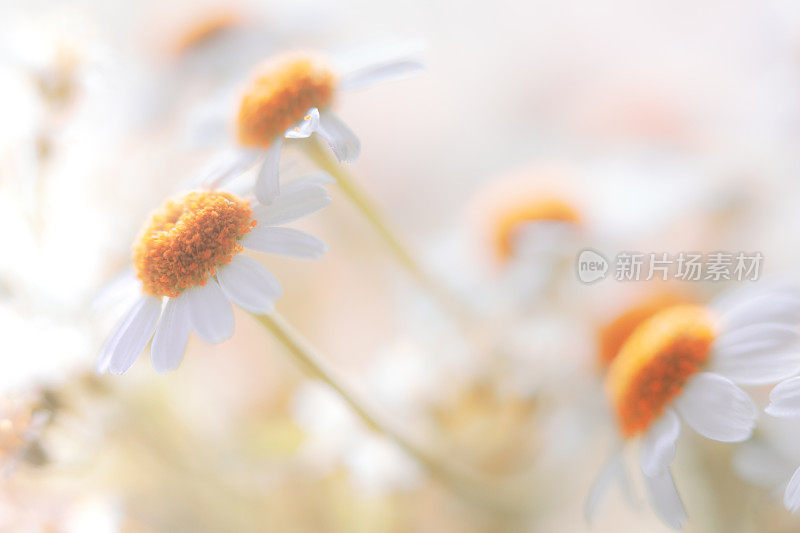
(759, 464)
(304, 128)
(344, 143)
(284, 241)
(784, 399)
(248, 284)
(756, 336)
(131, 336)
(317, 178)
(228, 165)
(613, 470)
(658, 444)
(210, 312)
(378, 72)
(756, 367)
(665, 500)
(781, 306)
(791, 498)
(292, 205)
(171, 336)
(716, 408)
(268, 180)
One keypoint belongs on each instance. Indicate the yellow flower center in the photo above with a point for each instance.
(186, 239)
(656, 361)
(513, 217)
(613, 334)
(280, 95)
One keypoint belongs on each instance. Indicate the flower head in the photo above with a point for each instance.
(684, 363)
(188, 260)
(280, 95)
(289, 97)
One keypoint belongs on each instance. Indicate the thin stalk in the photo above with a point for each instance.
(318, 152)
(464, 483)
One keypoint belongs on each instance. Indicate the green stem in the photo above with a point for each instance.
(319, 153)
(464, 483)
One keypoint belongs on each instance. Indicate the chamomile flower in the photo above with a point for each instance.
(684, 364)
(187, 259)
(290, 97)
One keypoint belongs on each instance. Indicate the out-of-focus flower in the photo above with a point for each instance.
(684, 363)
(290, 97)
(613, 333)
(187, 258)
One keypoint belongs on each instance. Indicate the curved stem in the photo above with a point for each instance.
(464, 483)
(318, 152)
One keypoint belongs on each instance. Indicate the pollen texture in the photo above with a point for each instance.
(613, 334)
(510, 219)
(186, 239)
(280, 95)
(656, 361)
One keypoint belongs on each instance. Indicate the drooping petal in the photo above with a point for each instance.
(285, 241)
(228, 165)
(716, 408)
(657, 449)
(613, 470)
(210, 312)
(665, 500)
(292, 205)
(305, 127)
(784, 399)
(389, 69)
(791, 498)
(171, 336)
(248, 284)
(267, 185)
(759, 464)
(344, 143)
(130, 336)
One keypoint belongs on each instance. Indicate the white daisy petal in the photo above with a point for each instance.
(716, 408)
(759, 464)
(762, 335)
(268, 180)
(756, 367)
(317, 178)
(791, 498)
(210, 312)
(658, 444)
(292, 205)
(340, 138)
(381, 72)
(131, 336)
(665, 500)
(304, 128)
(248, 284)
(285, 241)
(613, 470)
(784, 399)
(171, 336)
(776, 307)
(227, 166)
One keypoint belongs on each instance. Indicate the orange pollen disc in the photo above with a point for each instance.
(613, 334)
(509, 221)
(656, 361)
(280, 95)
(186, 239)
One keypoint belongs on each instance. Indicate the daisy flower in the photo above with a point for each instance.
(684, 364)
(187, 259)
(290, 97)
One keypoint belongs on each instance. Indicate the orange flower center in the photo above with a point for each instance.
(613, 334)
(186, 239)
(280, 95)
(656, 361)
(511, 219)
